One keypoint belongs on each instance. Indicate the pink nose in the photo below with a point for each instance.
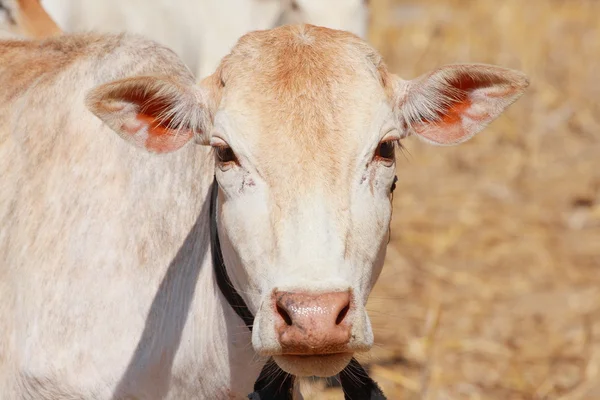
(309, 323)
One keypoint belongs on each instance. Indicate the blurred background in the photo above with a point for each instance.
(491, 288)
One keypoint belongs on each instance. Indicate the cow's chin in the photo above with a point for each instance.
(313, 365)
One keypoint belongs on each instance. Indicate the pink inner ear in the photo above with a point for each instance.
(453, 103)
(163, 139)
(475, 104)
(454, 113)
(450, 128)
(157, 137)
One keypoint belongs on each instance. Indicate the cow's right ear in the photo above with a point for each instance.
(159, 114)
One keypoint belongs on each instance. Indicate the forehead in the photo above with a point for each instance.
(303, 95)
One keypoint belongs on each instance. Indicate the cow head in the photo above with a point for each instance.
(305, 122)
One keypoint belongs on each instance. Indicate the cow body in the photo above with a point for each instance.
(106, 278)
(114, 297)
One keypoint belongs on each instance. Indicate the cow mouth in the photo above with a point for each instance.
(321, 365)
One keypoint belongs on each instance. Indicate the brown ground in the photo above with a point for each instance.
(492, 284)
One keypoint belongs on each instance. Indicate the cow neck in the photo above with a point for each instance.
(273, 383)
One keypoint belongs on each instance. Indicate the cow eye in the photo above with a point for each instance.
(385, 150)
(225, 155)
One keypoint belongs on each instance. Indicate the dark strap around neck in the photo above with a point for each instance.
(273, 383)
(231, 295)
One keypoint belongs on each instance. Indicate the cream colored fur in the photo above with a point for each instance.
(25, 18)
(106, 283)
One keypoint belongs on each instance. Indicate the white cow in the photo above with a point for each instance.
(107, 286)
(203, 31)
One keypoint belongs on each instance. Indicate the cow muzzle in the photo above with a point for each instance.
(313, 324)
(313, 331)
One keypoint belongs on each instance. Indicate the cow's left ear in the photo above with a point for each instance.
(158, 114)
(453, 103)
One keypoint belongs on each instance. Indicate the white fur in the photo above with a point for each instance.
(106, 278)
(89, 309)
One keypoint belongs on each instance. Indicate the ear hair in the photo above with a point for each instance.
(452, 103)
(160, 114)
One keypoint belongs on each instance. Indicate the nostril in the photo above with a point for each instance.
(342, 314)
(284, 314)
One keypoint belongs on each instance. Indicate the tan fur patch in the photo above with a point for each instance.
(34, 21)
(312, 91)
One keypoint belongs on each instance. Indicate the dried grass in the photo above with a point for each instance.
(492, 284)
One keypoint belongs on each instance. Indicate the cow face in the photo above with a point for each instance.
(305, 123)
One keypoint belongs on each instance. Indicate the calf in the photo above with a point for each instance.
(203, 31)
(109, 288)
